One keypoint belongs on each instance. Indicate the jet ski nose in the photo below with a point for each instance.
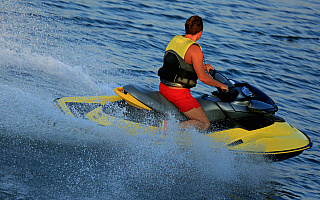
(260, 106)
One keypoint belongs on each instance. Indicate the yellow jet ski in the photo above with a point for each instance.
(243, 120)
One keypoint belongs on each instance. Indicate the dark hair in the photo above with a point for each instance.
(194, 25)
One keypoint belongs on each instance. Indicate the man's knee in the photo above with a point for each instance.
(206, 124)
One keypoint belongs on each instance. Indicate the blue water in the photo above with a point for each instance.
(57, 48)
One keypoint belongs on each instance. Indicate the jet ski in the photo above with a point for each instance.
(242, 120)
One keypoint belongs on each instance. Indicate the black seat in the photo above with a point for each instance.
(154, 100)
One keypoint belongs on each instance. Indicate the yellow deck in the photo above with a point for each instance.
(278, 138)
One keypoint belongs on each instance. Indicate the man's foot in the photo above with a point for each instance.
(162, 127)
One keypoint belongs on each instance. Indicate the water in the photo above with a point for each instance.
(51, 49)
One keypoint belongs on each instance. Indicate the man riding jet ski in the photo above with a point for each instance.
(243, 120)
(237, 116)
(181, 69)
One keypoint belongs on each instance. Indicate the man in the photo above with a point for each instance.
(183, 66)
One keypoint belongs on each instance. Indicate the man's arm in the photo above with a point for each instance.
(194, 56)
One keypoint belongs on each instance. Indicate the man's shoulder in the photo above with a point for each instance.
(195, 48)
(194, 52)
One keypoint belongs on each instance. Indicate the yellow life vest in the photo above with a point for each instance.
(175, 71)
(180, 44)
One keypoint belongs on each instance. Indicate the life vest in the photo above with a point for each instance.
(175, 71)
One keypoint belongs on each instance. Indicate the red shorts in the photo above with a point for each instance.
(179, 97)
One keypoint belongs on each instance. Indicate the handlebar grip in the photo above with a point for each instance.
(212, 73)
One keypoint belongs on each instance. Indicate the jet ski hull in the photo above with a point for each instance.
(276, 142)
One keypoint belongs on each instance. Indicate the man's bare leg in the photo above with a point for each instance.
(197, 119)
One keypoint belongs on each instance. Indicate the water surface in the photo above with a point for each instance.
(51, 49)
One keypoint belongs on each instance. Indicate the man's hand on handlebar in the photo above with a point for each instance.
(207, 67)
(224, 88)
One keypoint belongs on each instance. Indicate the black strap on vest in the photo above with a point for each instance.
(176, 70)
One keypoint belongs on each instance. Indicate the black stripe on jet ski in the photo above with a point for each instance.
(237, 142)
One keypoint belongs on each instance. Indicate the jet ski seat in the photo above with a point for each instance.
(154, 100)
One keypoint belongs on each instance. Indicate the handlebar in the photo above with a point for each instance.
(223, 95)
(221, 78)
(212, 73)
